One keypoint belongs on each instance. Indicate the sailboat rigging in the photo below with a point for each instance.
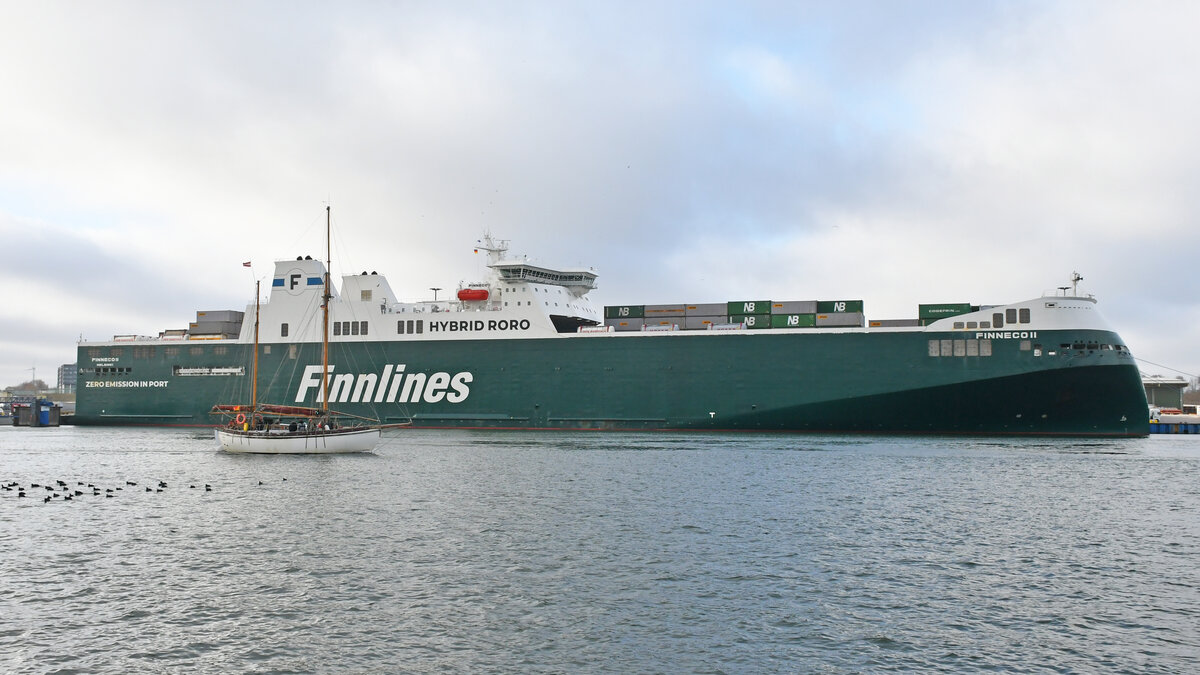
(290, 429)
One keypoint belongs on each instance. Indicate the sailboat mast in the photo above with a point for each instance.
(325, 322)
(254, 370)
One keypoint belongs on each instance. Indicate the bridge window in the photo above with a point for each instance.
(1010, 315)
(1024, 313)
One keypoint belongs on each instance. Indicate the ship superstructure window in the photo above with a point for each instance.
(292, 352)
(116, 351)
(1010, 315)
(998, 320)
(363, 329)
(354, 328)
(409, 326)
(143, 352)
(337, 327)
(196, 351)
(283, 330)
(985, 324)
(220, 350)
(1024, 314)
(94, 352)
(171, 352)
(960, 348)
(972, 325)
(958, 325)
(1026, 345)
(365, 296)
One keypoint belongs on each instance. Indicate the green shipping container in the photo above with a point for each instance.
(625, 312)
(746, 307)
(839, 306)
(793, 320)
(942, 310)
(753, 320)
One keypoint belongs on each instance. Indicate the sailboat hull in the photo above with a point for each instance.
(331, 442)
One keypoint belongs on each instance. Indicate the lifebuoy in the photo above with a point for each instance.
(241, 419)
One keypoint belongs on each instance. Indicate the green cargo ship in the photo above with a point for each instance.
(527, 349)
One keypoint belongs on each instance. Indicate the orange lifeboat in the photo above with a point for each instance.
(472, 294)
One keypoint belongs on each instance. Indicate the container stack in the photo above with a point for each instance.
(225, 323)
(704, 316)
(748, 314)
(625, 317)
(839, 313)
(929, 313)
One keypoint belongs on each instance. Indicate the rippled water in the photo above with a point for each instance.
(548, 552)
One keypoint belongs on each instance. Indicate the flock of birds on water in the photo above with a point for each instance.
(60, 490)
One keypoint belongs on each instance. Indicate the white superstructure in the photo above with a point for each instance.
(517, 300)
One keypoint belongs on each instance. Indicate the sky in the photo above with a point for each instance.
(894, 152)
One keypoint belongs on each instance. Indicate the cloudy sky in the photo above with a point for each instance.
(894, 152)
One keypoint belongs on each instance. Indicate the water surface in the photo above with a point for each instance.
(600, 552)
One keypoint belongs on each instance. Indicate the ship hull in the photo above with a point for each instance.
(797, 381)
(319, 443)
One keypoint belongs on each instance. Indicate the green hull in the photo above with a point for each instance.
(866, 382)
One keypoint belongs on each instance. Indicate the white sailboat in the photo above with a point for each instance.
(287, 429)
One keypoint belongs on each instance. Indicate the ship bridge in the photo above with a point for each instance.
(521, 271)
